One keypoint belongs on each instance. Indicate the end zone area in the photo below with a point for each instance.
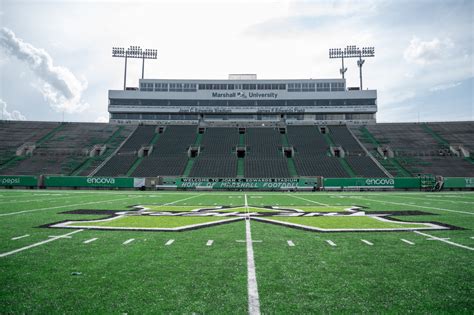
(360, 252)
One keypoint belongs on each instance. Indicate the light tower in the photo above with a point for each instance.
(352, 52)
(133, 52)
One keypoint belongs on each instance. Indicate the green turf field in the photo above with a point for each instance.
(99, 252)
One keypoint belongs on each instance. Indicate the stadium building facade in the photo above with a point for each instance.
(242, 99)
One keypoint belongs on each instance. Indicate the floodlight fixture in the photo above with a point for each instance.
(352, 51)
(134, 52)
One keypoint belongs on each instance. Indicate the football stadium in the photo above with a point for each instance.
(237, 196)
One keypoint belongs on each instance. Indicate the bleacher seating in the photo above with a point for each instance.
(420, 152)
(342, 137)
(118, 165)
(13, 134)
(363, 166)
(327, 166)
(170, 153)
(264, 156)
(61, 148)
(459, 133)
(63, 151)
(217, 158)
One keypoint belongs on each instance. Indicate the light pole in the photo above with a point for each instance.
(133, 52)
(352, 52)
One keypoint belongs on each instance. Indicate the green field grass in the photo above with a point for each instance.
(114, 272)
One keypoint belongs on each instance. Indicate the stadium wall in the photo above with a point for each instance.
(186, 183)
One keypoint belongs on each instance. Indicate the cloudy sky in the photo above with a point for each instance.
(55, 56)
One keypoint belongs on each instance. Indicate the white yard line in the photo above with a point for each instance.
(410, 205)
(209, 243)
(18, 237)
(253, 299)
(170, 203)
(331, 243)
(319, 203)
(128, 241)
(290, 243)
(65, 206)
(91, 240)
(169, 242)
(39, 243)
(367, 242)
(443, 240)
(406, 241)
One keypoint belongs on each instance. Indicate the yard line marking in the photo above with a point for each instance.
(290, 243)
(209, 243)
(18, 237)
(91, 240)
(411, 205)
(170, 203)
(472, 237)
(319, 203)
(39, 243)
(408, 242)
(128, 241)
(331, 243)
(253, 299)
(443, 240)
(65, 206)
(246, 202)
(367, 242)
(169, 242)
(245, 241)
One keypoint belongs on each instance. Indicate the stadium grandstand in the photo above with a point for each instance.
(240, 129)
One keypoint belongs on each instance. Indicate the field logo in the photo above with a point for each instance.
(311, 218)
(101, 180)
(380, 182)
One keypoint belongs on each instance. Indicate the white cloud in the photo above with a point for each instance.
(6, 115)
(58, 85)
(333, 7)
(428, 52)
(443, 87)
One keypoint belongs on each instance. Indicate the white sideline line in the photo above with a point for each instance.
(437, 199)
(18, 237)
(65, 206)
(410, 205)
(445, 241)
(367, 242)
(91, 240)
(39, 243)
(33, 200)
(128, 241)
(209, 243)
(290, 243)
(169, 242)
(408, 242)
(319, 203)
(253, 299)
(331, 243)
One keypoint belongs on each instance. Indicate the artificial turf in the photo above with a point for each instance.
(147, 276)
